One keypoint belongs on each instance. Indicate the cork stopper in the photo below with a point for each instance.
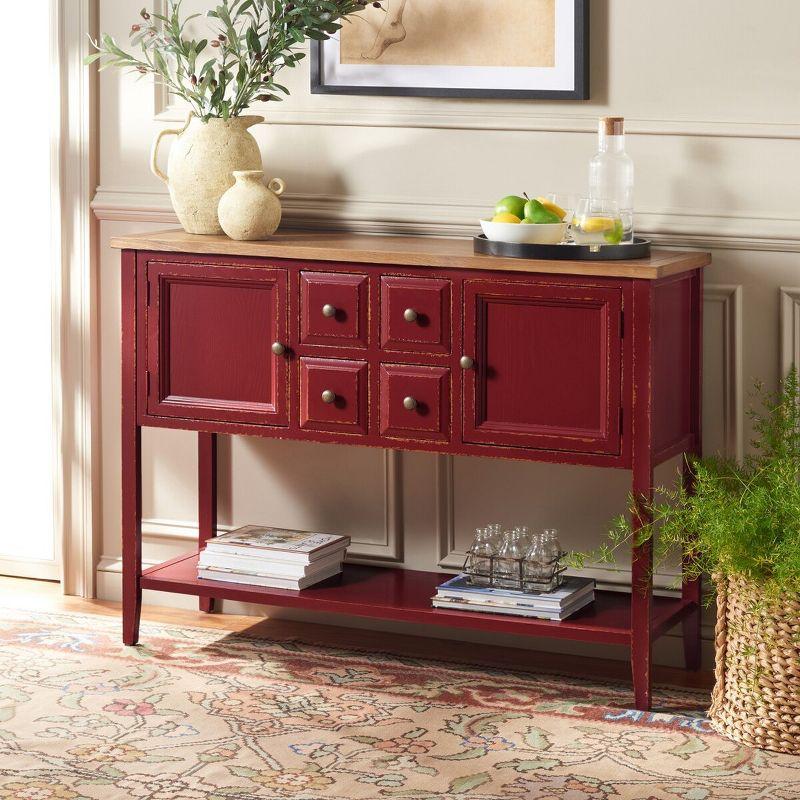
(612, 126)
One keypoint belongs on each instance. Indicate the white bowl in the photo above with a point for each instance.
(519, 233)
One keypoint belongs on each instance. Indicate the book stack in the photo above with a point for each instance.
(573, 594)
(274, 557)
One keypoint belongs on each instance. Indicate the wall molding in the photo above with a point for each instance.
(423, 113)
(790, 327)
(384, 215)
(184, 533)
(730, 298)
(74, 343)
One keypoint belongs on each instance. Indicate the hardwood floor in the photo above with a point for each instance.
(42, 595)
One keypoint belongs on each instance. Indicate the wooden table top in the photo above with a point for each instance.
(411, 251)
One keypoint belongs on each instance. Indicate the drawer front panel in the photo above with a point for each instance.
(333, 395)
(210, 330)
(415, 402)
(333, 309)
(415, 314)
(548, 370)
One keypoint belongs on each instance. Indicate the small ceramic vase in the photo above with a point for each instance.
(250, 210)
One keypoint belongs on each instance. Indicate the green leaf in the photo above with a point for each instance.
(467, 783)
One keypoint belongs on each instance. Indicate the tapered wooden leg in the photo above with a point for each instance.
(131, 534)
(642, 599)
(207, 496)
(131, 468)
(642, 457)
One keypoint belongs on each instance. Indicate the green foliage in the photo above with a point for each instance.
(253, 41)
(741, 519)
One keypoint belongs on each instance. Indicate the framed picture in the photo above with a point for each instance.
(524, 49)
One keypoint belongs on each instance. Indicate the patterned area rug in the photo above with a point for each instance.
(196, 714)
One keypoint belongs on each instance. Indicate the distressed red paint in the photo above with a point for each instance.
(598, 370)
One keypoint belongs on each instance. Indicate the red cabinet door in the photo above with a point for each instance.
(210, 331)
(547, 371)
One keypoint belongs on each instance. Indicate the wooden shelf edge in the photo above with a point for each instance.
(404, 596)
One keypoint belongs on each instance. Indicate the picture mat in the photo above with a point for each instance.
(462, 33)
(560, 77)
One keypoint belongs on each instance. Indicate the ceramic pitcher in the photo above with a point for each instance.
(201, 164)
(251, 210)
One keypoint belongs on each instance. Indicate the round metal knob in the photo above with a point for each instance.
(328, 310)
(328, 396)
(466, 362)
(409, 315)
(409, 404)
(278, 349)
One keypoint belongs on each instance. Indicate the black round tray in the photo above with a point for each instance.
(639, 248)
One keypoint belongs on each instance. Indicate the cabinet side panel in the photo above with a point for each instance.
(674, 331)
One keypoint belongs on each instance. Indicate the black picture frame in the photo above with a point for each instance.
(579, 92)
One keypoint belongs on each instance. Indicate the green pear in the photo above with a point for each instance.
(511, 205)
(537, 214)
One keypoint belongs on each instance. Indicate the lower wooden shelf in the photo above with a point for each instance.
(405, 596)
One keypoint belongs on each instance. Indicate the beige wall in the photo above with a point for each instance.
(712, 99)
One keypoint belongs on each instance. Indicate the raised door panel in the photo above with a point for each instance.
(415, 314)
(210, 331)
(547, 372)
(333, 395)
(415, 402)
(333, 309)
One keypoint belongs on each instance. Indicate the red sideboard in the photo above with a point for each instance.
(413, 344)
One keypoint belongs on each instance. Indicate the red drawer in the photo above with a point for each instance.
(415, 314)
(415, 402)
(333, 395)
(333, 308)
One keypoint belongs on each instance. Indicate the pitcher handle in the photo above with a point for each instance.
(154, 168)
(277, 186)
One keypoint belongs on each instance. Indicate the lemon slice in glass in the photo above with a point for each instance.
(597, 224)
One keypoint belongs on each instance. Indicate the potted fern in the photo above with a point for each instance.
(741, 525)
(219, 75)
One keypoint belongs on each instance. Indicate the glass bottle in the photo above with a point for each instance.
(495, 533)
(552, 549)
(525, 536)
(552, 545)
(611, 172)
(536, 564)
(480, 561)
(509, 560)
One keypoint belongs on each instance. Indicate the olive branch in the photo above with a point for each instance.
(253, 40)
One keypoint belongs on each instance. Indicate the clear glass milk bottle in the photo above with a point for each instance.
(611, 174)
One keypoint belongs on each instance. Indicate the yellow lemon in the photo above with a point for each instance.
(506, 217)
(597, 224)
(551, 206)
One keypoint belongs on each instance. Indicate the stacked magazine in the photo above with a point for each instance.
(573, 594)
(274, 557)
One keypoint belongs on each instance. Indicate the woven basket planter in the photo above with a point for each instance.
(756, 698)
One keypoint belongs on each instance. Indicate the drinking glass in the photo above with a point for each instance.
(566, 202)
(596, 222)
